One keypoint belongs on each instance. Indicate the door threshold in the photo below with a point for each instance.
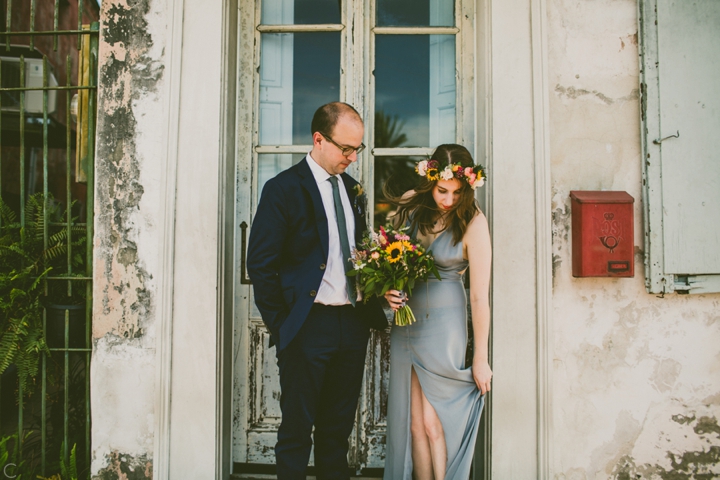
(259, 476)
(254, 471)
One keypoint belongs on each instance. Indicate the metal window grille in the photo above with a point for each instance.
(48, 75)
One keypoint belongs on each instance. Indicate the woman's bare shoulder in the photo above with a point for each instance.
(479, 221)
(477, 228)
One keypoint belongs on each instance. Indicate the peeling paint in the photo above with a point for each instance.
(707, 425)
(666, 374)
(711, 400)
(127, 74)
(575, 93)
(703, 463)
(561, 223)
(700, 465)
(682, 419)
(126, 467)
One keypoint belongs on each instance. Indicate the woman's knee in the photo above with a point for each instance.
(433, 429)
(417, 426)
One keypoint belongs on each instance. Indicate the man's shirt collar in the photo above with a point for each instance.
(318, 172)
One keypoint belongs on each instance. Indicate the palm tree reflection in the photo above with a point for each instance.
(397, 172)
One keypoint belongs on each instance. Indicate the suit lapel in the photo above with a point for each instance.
(307, 181)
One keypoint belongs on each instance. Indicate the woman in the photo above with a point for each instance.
(435, 402)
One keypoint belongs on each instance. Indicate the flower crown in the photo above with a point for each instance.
(430, 169)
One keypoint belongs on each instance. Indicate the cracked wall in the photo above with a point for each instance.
(636, 390)
(127, 240)
(127, 75)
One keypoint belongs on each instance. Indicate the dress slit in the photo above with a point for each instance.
(435, 347)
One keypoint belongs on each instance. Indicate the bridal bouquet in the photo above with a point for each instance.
(389, 260)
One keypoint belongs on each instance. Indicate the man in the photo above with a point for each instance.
(308, 220)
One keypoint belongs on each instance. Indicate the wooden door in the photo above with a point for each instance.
(305, 53)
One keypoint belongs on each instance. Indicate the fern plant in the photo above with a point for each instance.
(14, 466)
(25, 262)
(69, 469)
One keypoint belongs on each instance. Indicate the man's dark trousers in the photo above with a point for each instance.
(320, 378)
(287, 256)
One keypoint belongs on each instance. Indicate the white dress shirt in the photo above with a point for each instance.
(333, 290)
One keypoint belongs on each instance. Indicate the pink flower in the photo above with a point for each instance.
(468, 171)
(375, 255)
(422, 168)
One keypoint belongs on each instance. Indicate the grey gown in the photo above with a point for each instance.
(435, 347)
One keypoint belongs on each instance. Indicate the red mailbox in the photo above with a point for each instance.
(602, 234)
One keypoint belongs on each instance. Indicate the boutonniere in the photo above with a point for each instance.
(360, 201)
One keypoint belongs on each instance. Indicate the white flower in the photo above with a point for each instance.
(447, 173)
(479, 182)
(359, 266)
(422, 168)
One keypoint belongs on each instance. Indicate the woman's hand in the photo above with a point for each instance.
(396, 299)
(482, 374)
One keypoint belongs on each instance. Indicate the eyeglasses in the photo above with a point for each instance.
(346, 151)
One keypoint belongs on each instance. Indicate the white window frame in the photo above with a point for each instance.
(465, 112)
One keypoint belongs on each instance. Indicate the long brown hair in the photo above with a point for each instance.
(420, 208)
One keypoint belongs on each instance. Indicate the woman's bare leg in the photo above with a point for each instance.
(421, 454)
(436, 438)
(429, 451)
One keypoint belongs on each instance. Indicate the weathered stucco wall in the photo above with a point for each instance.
(130, 140)
(636, 379)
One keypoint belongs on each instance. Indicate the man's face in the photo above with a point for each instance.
(348, 132)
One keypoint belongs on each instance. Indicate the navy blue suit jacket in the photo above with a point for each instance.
(288, 251)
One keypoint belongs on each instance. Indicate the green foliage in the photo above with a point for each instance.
(68, 470)
(29, 251)
(10, 458)
(388, 130)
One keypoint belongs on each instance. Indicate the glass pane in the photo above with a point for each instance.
(398, 174)
(414, 90)
(416, 13)
(298, 73)
(270, 164)
(302, 12)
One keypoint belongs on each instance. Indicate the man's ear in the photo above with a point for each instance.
(317, 138)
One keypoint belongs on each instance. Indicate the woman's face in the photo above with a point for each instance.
(446, 193)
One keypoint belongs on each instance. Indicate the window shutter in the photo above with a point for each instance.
(680, 78)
